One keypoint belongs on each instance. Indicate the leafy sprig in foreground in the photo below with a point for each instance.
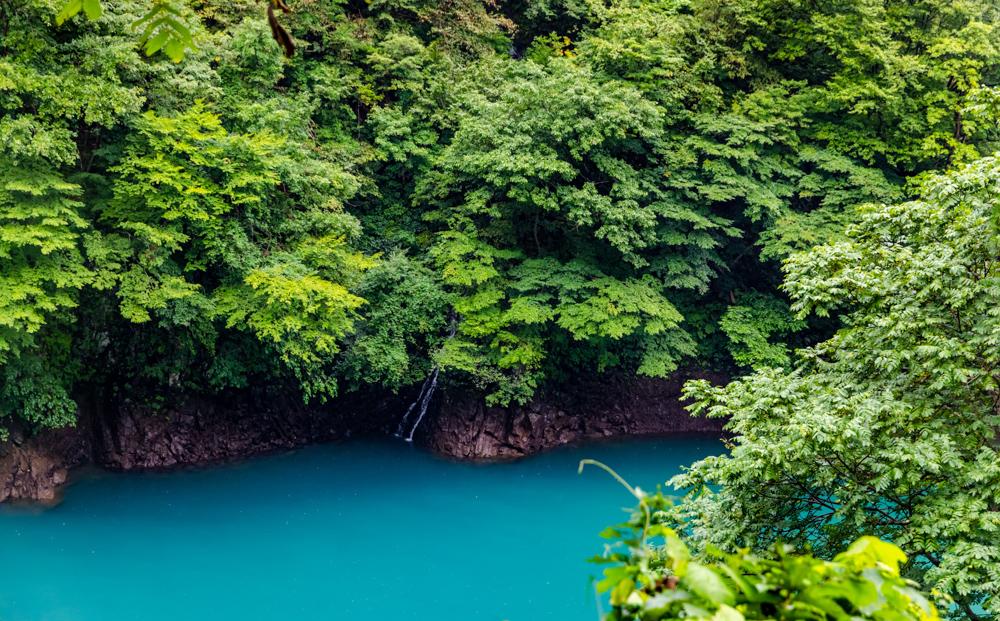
(653, 575)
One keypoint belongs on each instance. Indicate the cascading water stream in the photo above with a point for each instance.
(424, 396)
(402, 422)
(423, 404)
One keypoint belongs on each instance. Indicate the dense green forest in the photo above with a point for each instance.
(211, 195)
(565, 187)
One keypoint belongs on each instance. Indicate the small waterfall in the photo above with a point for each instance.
(423, 404)
(420, 395)
(424, 396)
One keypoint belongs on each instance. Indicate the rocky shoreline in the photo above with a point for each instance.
(205, 430)
(467, 429)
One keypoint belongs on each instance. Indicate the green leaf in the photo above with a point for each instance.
(872, 550)
(92, 8)
(706, 583)
(154, 44)
(70, 9)
(727, 613)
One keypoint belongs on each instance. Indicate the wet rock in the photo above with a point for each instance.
(33, 469)
(203, 430)
(198, 430)
(464, 427)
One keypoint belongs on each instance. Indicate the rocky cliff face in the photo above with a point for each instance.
(202, 430)
(192, 431)
(34, 469)
(466, 428)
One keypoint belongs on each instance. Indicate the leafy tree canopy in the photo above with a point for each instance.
(509, 192)
(890, 427)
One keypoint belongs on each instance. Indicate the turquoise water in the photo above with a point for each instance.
(363, 530)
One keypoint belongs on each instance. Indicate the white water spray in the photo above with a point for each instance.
(402, 423)
(424, 396)
(423, 404)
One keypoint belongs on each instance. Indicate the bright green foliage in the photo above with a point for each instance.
(46, 93)
(560, 217)
(298, 311)
(570, 186)
(40, 227)
(195, 199)
(179, 181)
(890, 428)
(186, 248)
(162, 27)
(43, 272)
(653, 575)
(751, 324)
(661, 581)
(91, 8)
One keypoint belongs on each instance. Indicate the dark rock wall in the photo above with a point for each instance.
(201, 430)
(192, 431)
(466, 428)
(34, 468)
(208, 430)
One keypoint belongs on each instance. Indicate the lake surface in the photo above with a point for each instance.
(362, 530)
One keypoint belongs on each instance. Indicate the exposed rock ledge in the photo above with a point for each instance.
(466, 428)
(125, 436)
(34, 469)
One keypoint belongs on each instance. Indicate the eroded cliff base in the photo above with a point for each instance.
(195, 430)
(466, 428)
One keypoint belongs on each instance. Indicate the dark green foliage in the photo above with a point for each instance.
(890, 427)
(405, 317)
(561, 218)
(565, 186)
